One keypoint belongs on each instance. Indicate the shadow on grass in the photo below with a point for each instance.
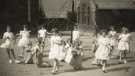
(86, 58)
(113, 64)
(125, 68)
(83, 69)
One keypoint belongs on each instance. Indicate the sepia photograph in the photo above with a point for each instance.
(67, 37)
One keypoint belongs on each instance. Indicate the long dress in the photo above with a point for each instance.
(103, 50)
(124, 42)
(114, 43)
(24, 41)
(8, 36)
(69, 55)
(56, 49)
(76, 35)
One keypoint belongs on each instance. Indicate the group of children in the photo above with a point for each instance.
(109, 42)
(69, 51)
(60, 49)
(66, 51)
(24, 44)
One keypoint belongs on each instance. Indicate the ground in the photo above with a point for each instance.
(114, 69)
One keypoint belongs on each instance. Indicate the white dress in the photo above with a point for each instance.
(76, 35)
(56, 49)
(123, 42)
(69, 55)
(113, 37)
(42, 33)
(9, 40)
(24, 41)
(103, 49)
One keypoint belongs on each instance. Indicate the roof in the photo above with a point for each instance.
(56, 8)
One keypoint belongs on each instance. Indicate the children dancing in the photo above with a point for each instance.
(71, 53)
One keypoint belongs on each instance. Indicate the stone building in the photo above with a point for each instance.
(93, 13)
(58, 13)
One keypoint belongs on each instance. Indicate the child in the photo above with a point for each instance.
(37, 51)
(95, 46)
(76, 34)
(28, 54)
(56, 50)
(24, 40)
(103, 50)
(8, 45)
(112, 35)
(112, 31)
(123, 44)
(73, 55)
(42, 33)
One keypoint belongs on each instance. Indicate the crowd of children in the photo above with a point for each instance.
(107, 43)
(69, 51)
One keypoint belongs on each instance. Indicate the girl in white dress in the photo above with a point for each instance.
(76, 34)
(123, 44)
(95, 46)
(8, 37)
(56, 50)
(103, 50)
(113, 40)
(42, 33)
(24, 40)
(113, 33)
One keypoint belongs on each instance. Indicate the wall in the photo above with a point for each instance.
(119, 18)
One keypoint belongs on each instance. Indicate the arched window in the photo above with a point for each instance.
(78, 15)
(88, 17)
(83, 13)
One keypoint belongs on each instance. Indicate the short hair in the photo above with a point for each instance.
(103, 30)
(55, 30)
(125, 29)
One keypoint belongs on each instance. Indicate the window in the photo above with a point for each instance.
(88, 16)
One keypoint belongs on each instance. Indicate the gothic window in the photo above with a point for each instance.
(78, 15)
(84, 13)
(88, 17)
(83, 17)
